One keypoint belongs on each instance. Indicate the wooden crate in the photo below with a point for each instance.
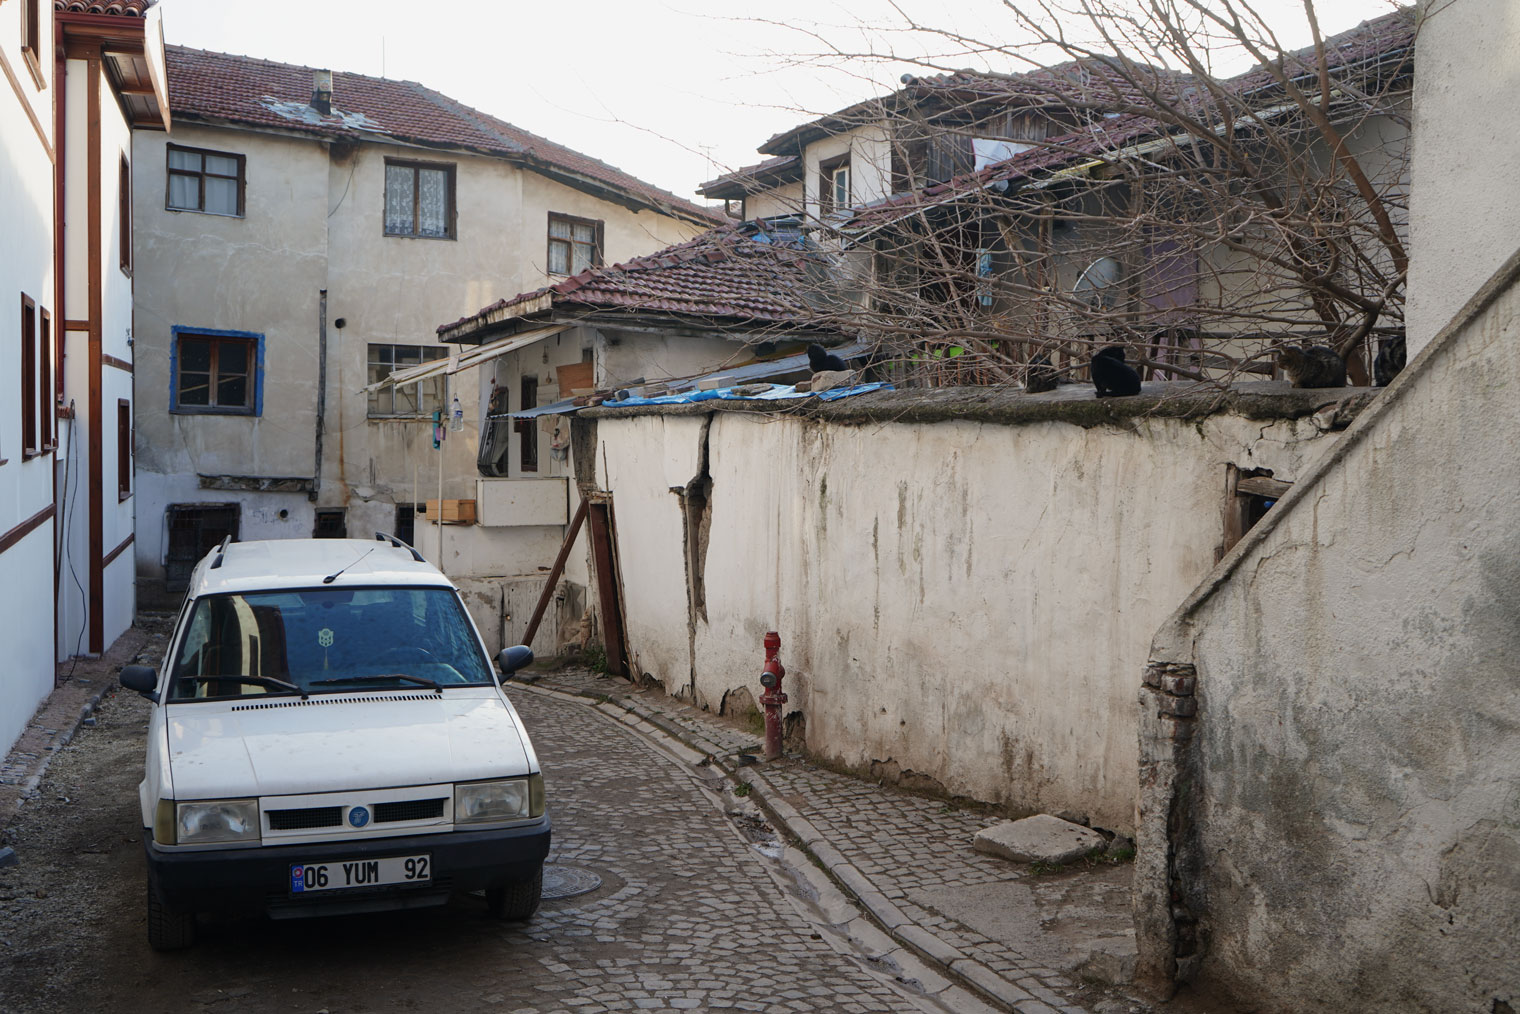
(454, 512)
(574, 378)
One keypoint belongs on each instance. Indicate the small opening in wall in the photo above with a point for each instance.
(1249, 494)
(284, 515)
(331, 524)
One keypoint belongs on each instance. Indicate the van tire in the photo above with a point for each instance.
(516, 902)
(168, 929)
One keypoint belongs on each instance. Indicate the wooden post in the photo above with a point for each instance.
(555, 571)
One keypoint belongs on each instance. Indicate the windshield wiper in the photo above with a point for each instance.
(423, 680)
(258, 681)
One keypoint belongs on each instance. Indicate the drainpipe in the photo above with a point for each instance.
(316, 475)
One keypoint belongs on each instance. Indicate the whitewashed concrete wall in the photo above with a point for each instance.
(963, 605)
(1464, 212)
(1343, 820)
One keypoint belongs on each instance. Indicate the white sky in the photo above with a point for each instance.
(673, 91)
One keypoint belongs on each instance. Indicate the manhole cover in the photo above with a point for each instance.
(568, 881)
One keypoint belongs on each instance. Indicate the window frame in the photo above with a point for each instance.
(31, 40)
(200, 209)
(123, 450)
(422, 350)
(255, 343)
(30, 446)
(124, 213)
(47, 401)
(598, 244)
(828, 174)
(450, 171)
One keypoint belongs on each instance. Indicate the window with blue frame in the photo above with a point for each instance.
(216, 372)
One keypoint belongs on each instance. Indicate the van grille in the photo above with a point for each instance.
(409, 809)
(300, 820)
(317, 702)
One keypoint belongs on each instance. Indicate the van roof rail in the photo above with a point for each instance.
(383, 537)
(221, 552)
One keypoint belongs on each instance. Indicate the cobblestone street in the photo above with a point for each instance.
(693, 910)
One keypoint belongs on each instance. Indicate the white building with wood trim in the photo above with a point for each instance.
(79, 76)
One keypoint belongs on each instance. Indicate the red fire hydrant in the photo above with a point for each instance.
(773, 698)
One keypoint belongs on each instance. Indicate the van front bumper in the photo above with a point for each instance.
(257, 878)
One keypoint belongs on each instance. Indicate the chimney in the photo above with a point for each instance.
(321, 91)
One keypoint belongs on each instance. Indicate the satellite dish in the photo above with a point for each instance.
(1097, 284)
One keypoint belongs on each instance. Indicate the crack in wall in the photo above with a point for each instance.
(696, 529)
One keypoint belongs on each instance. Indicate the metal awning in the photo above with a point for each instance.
(467, 360)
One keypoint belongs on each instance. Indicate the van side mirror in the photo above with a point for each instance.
(141, 678)
(511, 659)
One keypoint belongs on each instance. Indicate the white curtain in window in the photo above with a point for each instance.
(559, 257)
(433, 199)
(184, 191)
(221, 196)
(398, 199)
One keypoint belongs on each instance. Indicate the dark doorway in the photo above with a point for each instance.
(195, 529)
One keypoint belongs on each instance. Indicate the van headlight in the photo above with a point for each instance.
(506, 799)
(216, 820)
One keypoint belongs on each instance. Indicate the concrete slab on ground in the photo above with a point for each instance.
(1038, 839)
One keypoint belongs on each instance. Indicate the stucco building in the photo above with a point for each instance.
(299, 237)
(79, 76)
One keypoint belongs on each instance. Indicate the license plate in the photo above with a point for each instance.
(341, 874)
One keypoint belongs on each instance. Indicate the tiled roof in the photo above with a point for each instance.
(121, 8)
(1089, 82)
(753, 178)
(736, 273)
(1388, 36)
(1053, 153)
(261, 93)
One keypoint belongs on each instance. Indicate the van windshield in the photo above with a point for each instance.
(327, 640)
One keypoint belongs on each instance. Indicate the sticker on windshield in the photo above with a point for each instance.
(325, 637)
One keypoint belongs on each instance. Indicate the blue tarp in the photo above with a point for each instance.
(778, 392)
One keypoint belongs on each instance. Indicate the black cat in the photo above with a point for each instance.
(1040, 377)
(821, 359)
(1112, 376)
(1390, 360)
(1315, 366)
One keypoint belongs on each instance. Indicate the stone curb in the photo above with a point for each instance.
(943, 958)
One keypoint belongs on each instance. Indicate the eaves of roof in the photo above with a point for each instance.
(728, 277)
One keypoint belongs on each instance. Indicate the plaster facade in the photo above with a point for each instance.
(1464, 212)
(962, 603)
(66, 402)
(1351, 772)
(26, 486)
(312, 231)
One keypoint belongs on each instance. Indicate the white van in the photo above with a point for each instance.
(329, 736)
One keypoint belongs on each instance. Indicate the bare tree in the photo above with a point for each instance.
(1124, 194)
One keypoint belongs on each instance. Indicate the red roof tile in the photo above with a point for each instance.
(261, 93)
(1389, 36)
(735, 273)
(121, 8)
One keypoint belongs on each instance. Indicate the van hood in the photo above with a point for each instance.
(276, 746)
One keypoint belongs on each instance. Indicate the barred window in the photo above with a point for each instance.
(415, 400)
